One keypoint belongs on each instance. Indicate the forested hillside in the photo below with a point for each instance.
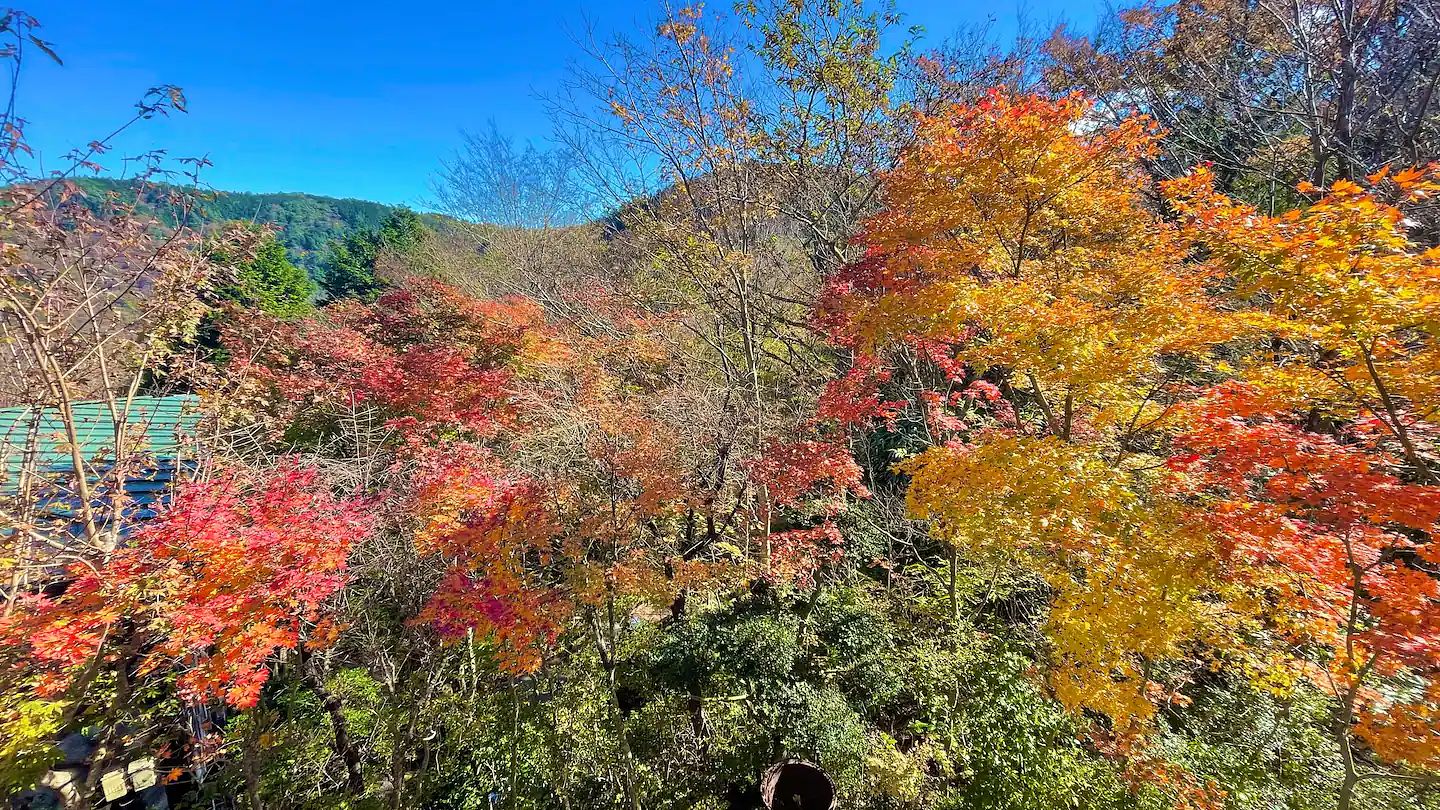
(1050, 425)
(305, 224)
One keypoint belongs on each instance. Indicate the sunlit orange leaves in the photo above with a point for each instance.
(427, 356)
(1346, 288)
(494, 531)
(1016, 229)
(1340, 545)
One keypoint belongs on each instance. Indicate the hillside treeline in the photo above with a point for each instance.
(1052, 423)
(307, 225)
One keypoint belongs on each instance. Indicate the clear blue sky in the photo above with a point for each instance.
(351, 99)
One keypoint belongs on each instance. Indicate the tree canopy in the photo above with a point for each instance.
(1045, 426)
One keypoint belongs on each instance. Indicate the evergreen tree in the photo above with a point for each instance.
(349, 270)
(266, 280)
(402, 230)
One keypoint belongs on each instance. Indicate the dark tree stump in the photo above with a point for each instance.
(794, 784)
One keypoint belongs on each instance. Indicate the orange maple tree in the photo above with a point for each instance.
(235, 569)
(1319, 461)
(1053, 326)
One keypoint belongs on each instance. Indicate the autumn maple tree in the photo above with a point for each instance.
(236, 569)
(1076, 341)
(1021, 260)
(1349, 299)
(1318, 462)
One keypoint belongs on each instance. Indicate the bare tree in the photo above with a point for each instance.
(1271, 93)
(739, 154)
(521, 222)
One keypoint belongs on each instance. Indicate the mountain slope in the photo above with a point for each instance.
(307, 222)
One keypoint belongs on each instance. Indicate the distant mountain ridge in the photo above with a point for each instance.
(307, 222)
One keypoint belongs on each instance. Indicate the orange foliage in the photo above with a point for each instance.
(537, 468)
(1027, 245)
(230, 573)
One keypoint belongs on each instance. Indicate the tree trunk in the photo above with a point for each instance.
(343, 746)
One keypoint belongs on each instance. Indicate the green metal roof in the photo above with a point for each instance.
(158, 427)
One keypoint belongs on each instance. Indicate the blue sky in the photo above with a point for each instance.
(351, 99)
